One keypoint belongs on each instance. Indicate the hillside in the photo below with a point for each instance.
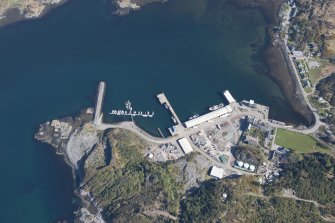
(129, 186)
(310, 176)
(117, 180)
(315, 23)
(326, 89)
(244, 203)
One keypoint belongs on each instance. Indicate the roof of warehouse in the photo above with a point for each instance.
(207, 117)
(185, 145)
(217, 172)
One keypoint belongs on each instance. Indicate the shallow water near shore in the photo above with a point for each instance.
(50, 68)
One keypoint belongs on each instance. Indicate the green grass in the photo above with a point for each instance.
(300, 143)
(315, 103)
(315, 74)
(308, 90)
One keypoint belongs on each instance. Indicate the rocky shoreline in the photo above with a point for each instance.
(36, 9)
(99, 158)
(124, 7)
(27, 11)
(64, 136)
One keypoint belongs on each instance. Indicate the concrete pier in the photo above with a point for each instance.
(163, 100)
(100, 96)
(160, 132)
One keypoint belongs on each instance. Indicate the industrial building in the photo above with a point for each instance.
(217, 172)
(185, 145)
(229, 97)
(209, 116)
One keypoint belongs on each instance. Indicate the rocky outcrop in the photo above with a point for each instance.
(58, 132)
(83, 147)
(123, 7)
(81, 142)
(15, 10)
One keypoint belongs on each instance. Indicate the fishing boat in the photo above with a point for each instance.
(216, 107)
(194, 116)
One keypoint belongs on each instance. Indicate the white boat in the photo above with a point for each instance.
(216, 107)
(194, 116)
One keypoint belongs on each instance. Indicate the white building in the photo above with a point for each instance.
(297, 53)
(229, 97)
(209, 116)
(217, 172)
(185, 145)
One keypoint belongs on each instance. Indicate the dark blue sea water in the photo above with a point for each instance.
(191, 50)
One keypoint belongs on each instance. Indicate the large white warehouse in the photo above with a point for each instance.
(185, 145)
(209, 116)
(217, 172)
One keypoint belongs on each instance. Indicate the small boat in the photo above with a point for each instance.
(214, 107)
(194, 116)
(166, 106)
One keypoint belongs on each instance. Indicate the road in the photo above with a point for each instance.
(286, 53)
(186, 133)
(284, 195)
(317, 123)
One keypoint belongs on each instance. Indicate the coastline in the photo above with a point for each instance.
(281, 71)
(57, 133)
(276, 59)
(87, 202)
(13, 15)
